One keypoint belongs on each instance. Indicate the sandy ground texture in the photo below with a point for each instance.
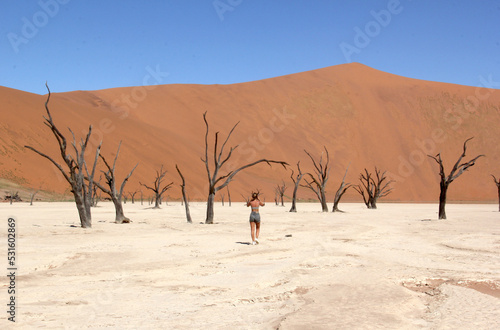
(396, 267)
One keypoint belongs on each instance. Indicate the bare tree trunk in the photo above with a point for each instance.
(296, 181)
(132, 196)
(280, 191)
(85, 218)
(442, 201)
(497, 182)
(446, 180)
(184, 199)
(499, 198)
(115, 195)
(75, 164)
(374, 189)
(294, 200)
(119, 214)
(214, 178)
(156, 188)
(324, 205)
(340, 192)
(210, 208)
(322, 174)
(32, 196)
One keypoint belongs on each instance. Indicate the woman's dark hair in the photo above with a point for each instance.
(255, 196)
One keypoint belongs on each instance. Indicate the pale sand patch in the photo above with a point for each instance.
(392, 268)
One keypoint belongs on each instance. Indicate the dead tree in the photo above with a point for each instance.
(157, 187)
(33, 194)
(75, 175)
(296, 181)
(184, 198)
(280, 190)
(96, 194)
(216, 181)
(340, 192)
(374, 188)
(111, 190)
(91, 190)
(497, 182)
(445, 180)
(132, 196)
(318, 181)
(13, 196)
(228, 196)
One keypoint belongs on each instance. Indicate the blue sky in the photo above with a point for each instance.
(90, 45)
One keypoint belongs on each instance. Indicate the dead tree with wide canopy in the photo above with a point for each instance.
(111, 190)
(296, 181)
(445, 180)
(340, 192)
(374, 188)
(75, 165)
(318, 181)
(497, 182)
(217, 181)
(157, 187)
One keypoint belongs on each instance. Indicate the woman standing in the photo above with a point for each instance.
(255, 203)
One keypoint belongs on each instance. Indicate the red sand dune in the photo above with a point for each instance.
(364, 117)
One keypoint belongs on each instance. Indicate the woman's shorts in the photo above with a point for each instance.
(254, 217)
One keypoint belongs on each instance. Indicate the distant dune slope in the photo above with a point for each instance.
(364, 117)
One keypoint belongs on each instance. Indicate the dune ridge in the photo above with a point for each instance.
(364, 117)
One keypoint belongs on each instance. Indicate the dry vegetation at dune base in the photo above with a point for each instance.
(396, 267)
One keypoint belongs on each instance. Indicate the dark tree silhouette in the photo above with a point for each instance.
(296, 181)
(340, 192)
(280, 190)
(184, 198)
(497, 182)
(75, 175)
(445, 180)
(13, 196)
(96, 194)
(228, 196)
(132, 196)
(111, 190)
(318, 182)
(216, 181)
(374, 188)
(33, 194)
(157, 187)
